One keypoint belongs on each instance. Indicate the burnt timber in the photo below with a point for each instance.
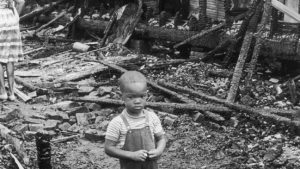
(281, 49)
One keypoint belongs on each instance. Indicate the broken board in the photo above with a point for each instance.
(127, 19)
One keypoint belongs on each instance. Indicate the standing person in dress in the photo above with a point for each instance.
(10, 44)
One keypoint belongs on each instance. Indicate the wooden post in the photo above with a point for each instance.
(258, 43)
(274, 22)
(202, 14)
(43, 150)
(243, 55)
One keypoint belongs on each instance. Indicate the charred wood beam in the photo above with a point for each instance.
(275, 48)
(239, 37)
(274, 22)
(160, 105)
(270, 114)
(258, 42)
(202, 14)
(43, 150)
(249, 37)
(148, 32)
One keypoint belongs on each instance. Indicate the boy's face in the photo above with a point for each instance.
(134, 96)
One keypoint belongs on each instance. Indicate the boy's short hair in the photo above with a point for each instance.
(131, 77)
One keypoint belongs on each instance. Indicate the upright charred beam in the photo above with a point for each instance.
(202, 14)
(43, 150)
(246, 47)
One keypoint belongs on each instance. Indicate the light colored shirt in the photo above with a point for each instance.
(117, 130)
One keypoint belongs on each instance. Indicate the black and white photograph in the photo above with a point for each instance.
(149, 84)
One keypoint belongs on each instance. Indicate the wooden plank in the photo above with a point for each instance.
(282, 8)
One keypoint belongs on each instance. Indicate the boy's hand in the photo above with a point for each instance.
(154, 153)
(140, 155)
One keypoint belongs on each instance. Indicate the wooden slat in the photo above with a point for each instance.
(282, 8)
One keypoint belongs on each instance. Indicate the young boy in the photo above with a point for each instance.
(136, 136)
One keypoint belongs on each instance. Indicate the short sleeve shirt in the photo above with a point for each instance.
(117, 130)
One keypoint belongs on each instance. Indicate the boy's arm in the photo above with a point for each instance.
(112, 150)
(161, 144)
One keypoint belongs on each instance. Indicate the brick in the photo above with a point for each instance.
(16, 113)
(74, 128)
(83, 90)
(33, 121)
(65, 106)
(94, 107)
(51, 124)
(169, 121)
(104, 90)
(82, 109)
(36, 127)
(64, 126)
(82, 119)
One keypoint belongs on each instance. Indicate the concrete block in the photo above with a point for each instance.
(65, 105)
(33, 121)
(82, 119)
(94, 135)
(84, 90)
(64, 126)
(35, 127)
(51, 124)
(74, 128)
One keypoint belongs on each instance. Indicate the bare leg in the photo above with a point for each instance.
(11, 80)
(3, 95)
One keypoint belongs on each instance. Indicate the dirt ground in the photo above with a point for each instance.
(239, 142)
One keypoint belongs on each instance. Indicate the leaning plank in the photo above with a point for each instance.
(7, 134)
(248, 39)
(201, 34)
(258, 42)
(17, 161)
(82, 74)
(174, 95)
(40, 11)
(253, 112)
(282, 8)
(159, 105)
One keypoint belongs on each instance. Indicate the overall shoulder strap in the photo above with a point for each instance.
(147, 117)
(125, 121)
